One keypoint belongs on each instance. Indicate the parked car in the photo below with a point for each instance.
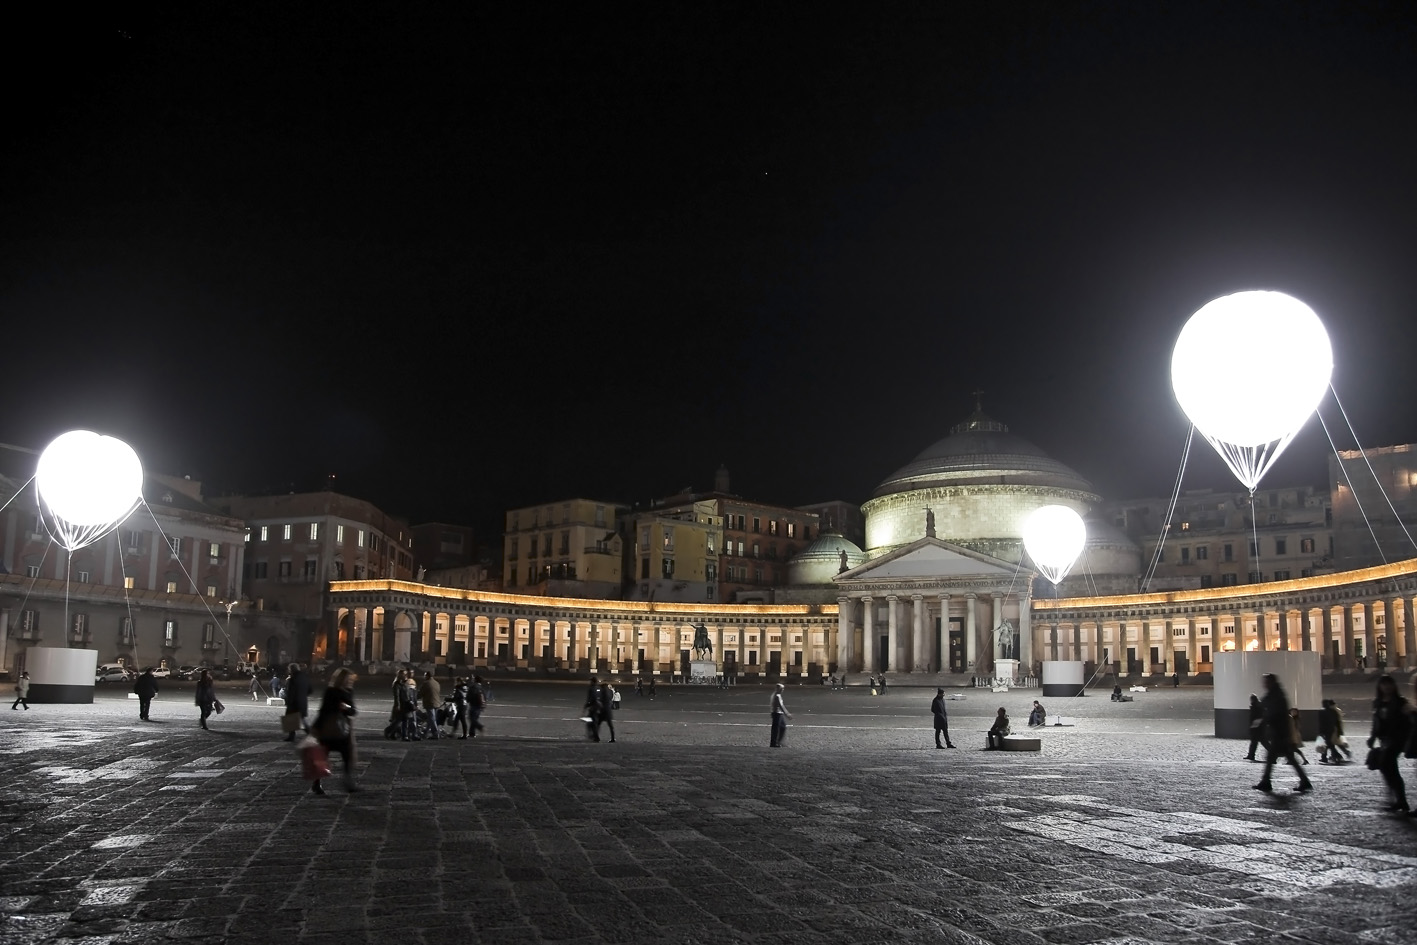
(162, 673)
(185, 672)
(113, 675)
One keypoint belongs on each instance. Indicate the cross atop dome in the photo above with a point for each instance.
(979, 421)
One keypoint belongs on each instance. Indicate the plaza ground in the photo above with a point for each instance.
(1133, 825)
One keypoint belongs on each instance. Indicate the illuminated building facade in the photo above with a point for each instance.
(674, 553)
(571, 548)
(1370, 525)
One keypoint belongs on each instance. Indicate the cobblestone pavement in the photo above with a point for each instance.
(1132, 826)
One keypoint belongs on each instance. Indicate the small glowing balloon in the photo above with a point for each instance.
(87, 484)
(1250, 419)
(1054, 536)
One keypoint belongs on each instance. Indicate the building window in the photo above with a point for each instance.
(757, 550)
(311, 567)
(512, 548)
(1306, 546)
(29, 624)
(757, 524)
(546, 545)
(644, 538)
(214, 550)
(285, 569)
(1207, 580)
(128, 583)
(1281, 546)
(175, 544)
(1185, 556)
(600, 516)
(644, 568)
(1229, 580)
(208, 635)
(265, 533)
(1202, 552)
(772, 526)
(791, 529)
(1256, 577)
(565, 512)
(314, 531)
(1227, 553)
(757, 575)
(169, 633)
(1254, 548)
(259, 573)
(711, 572)
(80, 628)
(740, 549)
(32, 570)
(285, 531)
(83, 577)
(339, 534)
(172, 587)
(668, 539)
(247, 539)
(211, 590)
(667, 564)
(359, 538)
(565, 543)
(125, 632)
(740, 523)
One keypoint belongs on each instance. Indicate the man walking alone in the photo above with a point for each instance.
(1278, 744)
(780, 715)
(942, 721)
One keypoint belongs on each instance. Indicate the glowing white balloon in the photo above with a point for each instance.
(1053, 536)
(1248, 419)
(87, 484)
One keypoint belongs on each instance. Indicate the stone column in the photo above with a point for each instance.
(941, 646)
(1144, 646)
(1284, 617)
(1327, 620)
(1025, 634)
(843, 634)
(917, 633)
(1193, 644)
(892, 634)
(868, 636)
(970, 632)
(1077, 640)
(1409, 633)
(1370, 637)
(1347, 633)
(996, 617)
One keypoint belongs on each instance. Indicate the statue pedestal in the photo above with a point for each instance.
(700, 669)
(1006, 670)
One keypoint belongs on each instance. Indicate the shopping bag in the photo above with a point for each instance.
(290, 722)
(314, 760)
(219, 707)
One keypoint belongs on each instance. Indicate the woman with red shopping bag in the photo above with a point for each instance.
(333, 730)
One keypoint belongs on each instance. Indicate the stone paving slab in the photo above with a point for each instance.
(1124, 829)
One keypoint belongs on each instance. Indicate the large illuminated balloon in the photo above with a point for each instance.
(1248, 369)
(87, 485)
(1053, 536)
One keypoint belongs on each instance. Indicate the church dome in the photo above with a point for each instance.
(820, 561)
(977, 486)
(981, 450)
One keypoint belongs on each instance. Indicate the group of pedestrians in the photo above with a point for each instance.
(600, 705)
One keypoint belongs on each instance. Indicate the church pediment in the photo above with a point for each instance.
(930, 560)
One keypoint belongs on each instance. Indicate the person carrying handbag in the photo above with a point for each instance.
(1392, 725)
(334, 725)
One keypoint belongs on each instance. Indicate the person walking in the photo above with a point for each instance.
(592, 710)
(640, 687)
(942, 721)
(406, 707)
(1256, 727)
(651, 688)
(1392, 724)
(334, 725)
(145, 687)
(206, 696)
(277, 690)
(994, 738)
(460, 691)
(1296, 737)
(255, 688)
(22, 692)
(607, 707)
(431, 695)
(780, 715)
(477, 704)
(297, 700)
(883, 683)
(1278, 743)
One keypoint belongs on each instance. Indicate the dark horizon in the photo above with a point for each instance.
(475, 260)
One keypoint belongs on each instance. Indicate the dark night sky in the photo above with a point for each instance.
(470, 258)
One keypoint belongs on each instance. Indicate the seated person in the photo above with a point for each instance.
(1036, 715)
(995, 737)
(1117, 693)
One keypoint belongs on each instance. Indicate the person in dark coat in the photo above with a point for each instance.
(1278, 744)
(334, 725)
(206, 695)
(460, 690)
(145, 687)
(1256, 727)
(607, 707)
(592, 710)
(942, 720)
(297, 697)
(1392, 724)
(476, 704)
(994, 738)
